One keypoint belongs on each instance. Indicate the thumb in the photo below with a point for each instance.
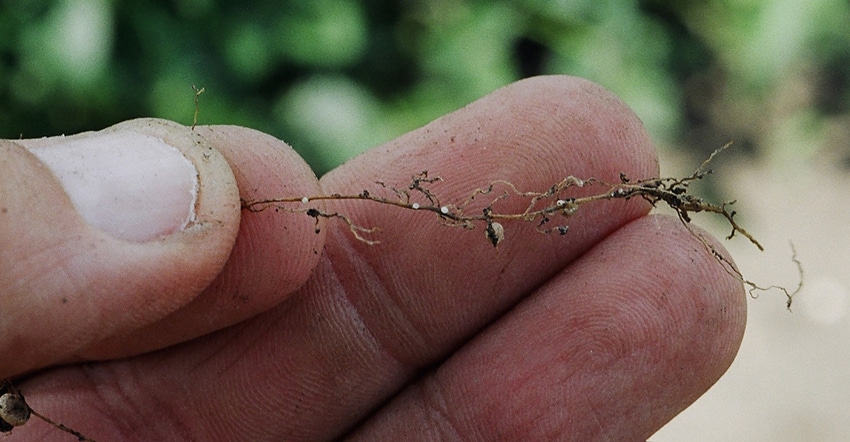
(105, 232)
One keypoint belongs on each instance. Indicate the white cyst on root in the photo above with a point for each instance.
(495, 233)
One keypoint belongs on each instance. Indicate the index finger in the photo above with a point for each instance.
(437, 283)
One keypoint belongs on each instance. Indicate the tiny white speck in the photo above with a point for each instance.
(415, 206)
(444, 210)
(561, 203)
(305, 200)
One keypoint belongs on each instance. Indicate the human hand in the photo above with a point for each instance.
(262, 329)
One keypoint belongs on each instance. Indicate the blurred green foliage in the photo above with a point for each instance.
(334, 78)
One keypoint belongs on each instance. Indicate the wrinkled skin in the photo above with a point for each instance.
(254, 327)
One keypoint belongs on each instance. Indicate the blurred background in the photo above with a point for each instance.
(334, 78)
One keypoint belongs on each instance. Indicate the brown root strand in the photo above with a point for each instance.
(80, 437)
(542, 207)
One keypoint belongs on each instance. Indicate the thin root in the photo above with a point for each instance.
(542, 208)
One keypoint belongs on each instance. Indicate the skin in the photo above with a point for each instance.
(605, 333)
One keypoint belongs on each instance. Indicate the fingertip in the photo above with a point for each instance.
(523, 139)
(274, 253)
(81, 279)
(672, 315)
(552, 125)
(276, 250)
(645, 322)
(612, 348)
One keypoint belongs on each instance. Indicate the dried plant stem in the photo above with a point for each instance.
(542, 207)
(198, 92)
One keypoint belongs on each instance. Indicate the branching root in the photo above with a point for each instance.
(550, 210)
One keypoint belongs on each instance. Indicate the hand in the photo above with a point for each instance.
(262, 329)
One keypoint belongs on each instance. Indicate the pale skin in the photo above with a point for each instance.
(261, 329)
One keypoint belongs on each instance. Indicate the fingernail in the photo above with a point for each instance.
(131, 185)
